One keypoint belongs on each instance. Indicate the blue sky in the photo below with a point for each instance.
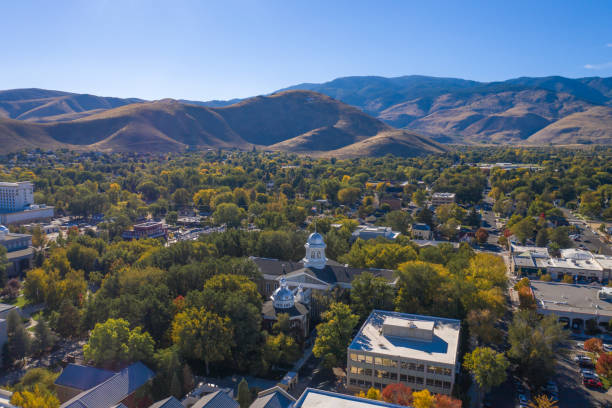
(205, 50)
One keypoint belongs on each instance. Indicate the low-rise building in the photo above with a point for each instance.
(120, 388)
(391, 347)
(313, 398)
(421, 231)
(149, 229)
(366, 232)
(442, 198)
(573, 304)
(217, 399)
(19, 251)
(275, 397)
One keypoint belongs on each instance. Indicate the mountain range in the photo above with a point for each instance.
(292, 121)
(346, 117)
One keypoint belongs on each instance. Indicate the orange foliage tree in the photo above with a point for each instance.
(397, 394)
(593, 345)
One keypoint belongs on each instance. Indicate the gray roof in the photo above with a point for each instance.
(82, 377)
(298, 309)
(169, 402)
(4, 307)
(217, 399)
(332, 273)
(564, 297)
(112, 391)
(273, 398)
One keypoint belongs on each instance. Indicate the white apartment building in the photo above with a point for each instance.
(391, 347)
(16, 196)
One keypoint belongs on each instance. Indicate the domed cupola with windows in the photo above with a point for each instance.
(283, 296)
(315, 252)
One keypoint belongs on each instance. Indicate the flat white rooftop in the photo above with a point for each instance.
(564, 297)
(441, 347)
(312, 398)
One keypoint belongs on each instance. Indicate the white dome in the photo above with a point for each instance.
(283, 296)
(315, 239)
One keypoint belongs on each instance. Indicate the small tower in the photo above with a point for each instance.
(283, 296)
(315, 252)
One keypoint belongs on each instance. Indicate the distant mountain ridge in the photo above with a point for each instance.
(527, 111)
(462, 111)
(293, 121)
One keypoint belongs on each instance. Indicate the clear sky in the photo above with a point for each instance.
(204, 50)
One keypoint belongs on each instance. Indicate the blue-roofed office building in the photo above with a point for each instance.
(115, 390)
(392, 347)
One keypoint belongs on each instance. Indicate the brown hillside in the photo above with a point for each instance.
(295, 121)
(591, 126)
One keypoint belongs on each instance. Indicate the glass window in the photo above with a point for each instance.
(368, 372)
(430, 382)
(420, 367)
(393, 376)
(446, 385)
(353, 381)
(368, 359)
(438, 383)
(354, 357)
(403, 377)
(378, 361)
(411, 379)
(403, 365)
(368, 384)
(447, 372)
(419, 380)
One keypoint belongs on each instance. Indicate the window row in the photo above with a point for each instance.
(411, 380)
(386, 362)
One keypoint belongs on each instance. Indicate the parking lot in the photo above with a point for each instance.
(571, 391)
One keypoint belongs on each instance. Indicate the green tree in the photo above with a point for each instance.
(487, 366)
(524, 229)
(244, 394)
(45, 338)
(229, 214)
(534, 341)
(67, 323)
(171, 217)
(399, 221)
(18, 339)
(542, 237)
(348, 195)
(112, 343)
(202, 335)
(334, 334)
(369, 292)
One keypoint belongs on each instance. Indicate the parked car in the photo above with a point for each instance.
(592, 383)
(584, 361)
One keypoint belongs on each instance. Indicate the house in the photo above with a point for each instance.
(19, 251)
(421, 231)
(418, 351)
(275, 397)
(217, 399)
(442, 198)
(366, 232)
(169, 402)
(120, 388)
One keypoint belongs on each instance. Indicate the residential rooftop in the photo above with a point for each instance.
(417, 337)
(564, 297)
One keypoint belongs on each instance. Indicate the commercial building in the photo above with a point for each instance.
(573, 304)
(17, 204)
(392, 347)
(16, 196)
(366, 232)
(149, 229)
(19, 251)
(442, 198)
(421, 231)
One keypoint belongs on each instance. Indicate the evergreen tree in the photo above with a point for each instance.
(542, 237)
(17, 336)
(45, 338)
(244, 395)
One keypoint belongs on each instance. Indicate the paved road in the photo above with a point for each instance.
(594, 244)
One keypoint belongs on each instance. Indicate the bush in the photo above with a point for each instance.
(546, 278)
